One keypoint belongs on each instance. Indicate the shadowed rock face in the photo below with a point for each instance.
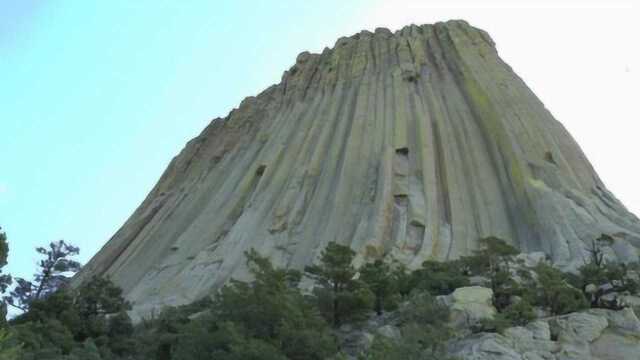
(415, 144)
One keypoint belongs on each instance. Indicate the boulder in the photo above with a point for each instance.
(485, 347)
(471, 304)
(578, 327)
(597, 334)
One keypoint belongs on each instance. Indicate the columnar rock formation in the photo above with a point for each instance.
(413, 144)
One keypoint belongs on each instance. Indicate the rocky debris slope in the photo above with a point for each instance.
(415, 143)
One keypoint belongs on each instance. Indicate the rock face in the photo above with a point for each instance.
(415, 144)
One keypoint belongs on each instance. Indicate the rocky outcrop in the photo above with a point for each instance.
(595, 335)
(413, 144)
(469, 305)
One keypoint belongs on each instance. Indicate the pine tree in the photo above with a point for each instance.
(340, 294)
(54, 272)
(5, 279)
(379, 277)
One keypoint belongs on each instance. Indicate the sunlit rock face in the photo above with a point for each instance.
(413, 144)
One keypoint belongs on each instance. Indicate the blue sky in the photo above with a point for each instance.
(97, 97)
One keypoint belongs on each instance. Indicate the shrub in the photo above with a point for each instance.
(424, 332)
(519, 313)
(439, 278)
(555, 293)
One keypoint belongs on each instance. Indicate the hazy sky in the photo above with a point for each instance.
(97, 97)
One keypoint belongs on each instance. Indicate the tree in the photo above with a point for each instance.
(119, 332)
(54, 272)
(596, 249)
(493, 260)
(597, 277)
(555, 293)
(5, 279)
(96, 299)
(71, 322)
(424, 332)
(494, 253)
(439, 278)
(8, 349)
(344, 295)
(379, 277)
(266, 318)
(100, 296)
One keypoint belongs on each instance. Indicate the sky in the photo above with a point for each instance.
(97, 97)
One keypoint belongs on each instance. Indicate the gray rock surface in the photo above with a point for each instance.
(593, 335)
(470, 305)
(415, 143)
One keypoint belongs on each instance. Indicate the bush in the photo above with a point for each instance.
(439, 278)
(519, 313)
(555, 293)
(267, 318)
(424, 332)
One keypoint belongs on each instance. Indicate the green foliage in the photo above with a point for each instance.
(87, 351)
(606, 277)
(49, 336)
(53, 274)
(493, 260)
(498, 324)
(119, 334)
(493, 255)
(94, 300)
(402, 280)
(9, 348)
(61, 326)
(439, 278)
(379, 277)
(424, 332)
(555, 293)
(267, 318)
(5, 279)
(340, 296)
(519, 313)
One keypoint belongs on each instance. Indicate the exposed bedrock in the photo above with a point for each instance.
(413, 144)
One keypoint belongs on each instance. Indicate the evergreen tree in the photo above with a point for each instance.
(379, 277)
(607, 277)
(266, 318)
(8, 347)
(54, 272)
(493, 260)
(424, 332)
(340, 295)
(5, 279)
(439, 278)
(555, 293)
(9, 350)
